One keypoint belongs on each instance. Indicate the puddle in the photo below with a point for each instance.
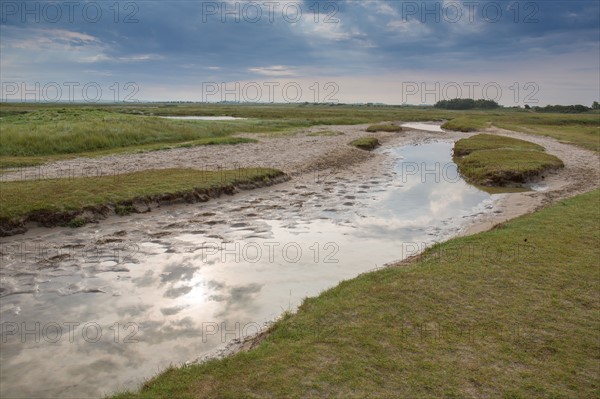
(204, 118)
(84, 313)
(430, 127)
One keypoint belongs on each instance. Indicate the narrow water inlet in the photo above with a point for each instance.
(167, 287)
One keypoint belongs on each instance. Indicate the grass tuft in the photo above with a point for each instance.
(76, 222)
(464, 124)
(384, 127)
(366, 143)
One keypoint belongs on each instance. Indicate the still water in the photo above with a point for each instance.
(93, 310)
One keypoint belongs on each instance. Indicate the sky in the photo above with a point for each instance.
(393, 52)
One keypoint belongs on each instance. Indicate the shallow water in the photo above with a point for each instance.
(117, 302)
(204, 118)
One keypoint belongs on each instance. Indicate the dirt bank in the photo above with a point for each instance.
(93, 214)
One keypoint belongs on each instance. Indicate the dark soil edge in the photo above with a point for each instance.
(144, 204)
(509, 179)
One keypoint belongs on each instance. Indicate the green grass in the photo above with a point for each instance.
(384, 127)
(510, 313)
(465, 124)
(497, 161)
(23, 198)
(505, 167)
(366, 143)
(584, 135)
(70, 131)
(492, 142)
(580, 129)
(76, 222)
(38, 135)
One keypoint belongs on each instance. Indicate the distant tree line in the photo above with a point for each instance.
(566, 109)
(466, 103)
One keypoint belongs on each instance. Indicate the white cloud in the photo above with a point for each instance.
(65, 45)
(379, 7)
(42, 39)
(94, 58)
(140, 57)
(275, 71)
(322, 27)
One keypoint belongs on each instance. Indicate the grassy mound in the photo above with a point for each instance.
(384, 127)
(510, 313)
(506, 167)
(497, 161)
(366, 143)
(464, 124)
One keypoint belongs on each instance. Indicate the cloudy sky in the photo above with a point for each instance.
(516, 52)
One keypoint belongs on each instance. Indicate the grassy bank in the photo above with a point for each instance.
(365, 143)
(497, 161)
(22, 199)
(510, 313)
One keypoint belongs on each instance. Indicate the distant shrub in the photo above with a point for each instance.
(466, 103)
(563, 109)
